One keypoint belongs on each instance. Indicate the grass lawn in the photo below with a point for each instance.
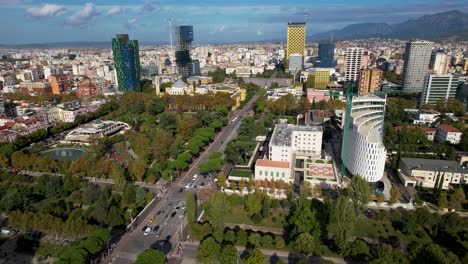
(239, 216)
(375, 229)
(241, 173)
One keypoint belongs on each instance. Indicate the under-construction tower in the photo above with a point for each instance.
(184, 38)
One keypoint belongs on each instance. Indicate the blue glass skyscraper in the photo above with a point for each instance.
(326, 54)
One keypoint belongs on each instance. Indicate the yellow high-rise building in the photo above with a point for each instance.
(321, 78)
(295, 42)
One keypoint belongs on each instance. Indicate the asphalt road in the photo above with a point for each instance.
(169, 218)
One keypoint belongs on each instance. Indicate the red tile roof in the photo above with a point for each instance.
(448, 128)
(272, 163)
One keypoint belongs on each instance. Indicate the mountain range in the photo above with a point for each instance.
(451, 24)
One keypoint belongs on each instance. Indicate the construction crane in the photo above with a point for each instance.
(348, 92)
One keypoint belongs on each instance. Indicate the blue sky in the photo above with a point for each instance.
(37, 21)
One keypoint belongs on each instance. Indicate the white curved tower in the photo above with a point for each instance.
(366, 151)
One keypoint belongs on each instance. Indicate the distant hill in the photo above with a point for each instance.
(435, 26)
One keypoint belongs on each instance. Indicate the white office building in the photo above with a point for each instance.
(417, 58)
(439, 87)
(353, 63)
(366, 153)
(295, 63)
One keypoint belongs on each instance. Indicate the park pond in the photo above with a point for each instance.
(71, 154)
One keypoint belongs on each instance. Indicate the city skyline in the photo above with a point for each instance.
(214, 21)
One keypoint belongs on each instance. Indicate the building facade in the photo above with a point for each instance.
(366, 153)
(440, 63)
(353, 63)
(426, 172)
(326, 54)
(439, 87)
(370, 81)
(295, 41)
(295, 63)
(417, 57)
(447, 133)
(127, 63)
(320, 78)
(184, 38)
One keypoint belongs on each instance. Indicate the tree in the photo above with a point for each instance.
(303, 220)
(380, 198)
(457, 199)
(395, 194)
(386, 254)
(208, 250)
(433, 253)
(357, 250)
(342, 221)
(442, 201)
(222, 181)
(156, 107)
(230, 236)
(255, 256)
(279, 242)
(253, 203)
(228, 255)
(255, 239)
(191, 208)
(241, 237)
(305, 244)
(150, 256)
(218, 207)
(359, 192)
(267, 241)
(137, 170)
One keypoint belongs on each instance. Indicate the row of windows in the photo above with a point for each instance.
(271, 174)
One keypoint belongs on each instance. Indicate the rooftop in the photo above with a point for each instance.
(448, 128)
(433, 165)
(272, 163)
(283, 130)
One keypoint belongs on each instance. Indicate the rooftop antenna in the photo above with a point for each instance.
(331, 37)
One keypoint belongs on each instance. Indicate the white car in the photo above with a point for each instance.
(147, 231)
(195, 176)
(187, 186)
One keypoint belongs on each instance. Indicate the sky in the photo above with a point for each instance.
(39, 21)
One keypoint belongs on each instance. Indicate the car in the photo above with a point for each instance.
(151, 219)
(144, 228)
(157, 230)
(158, 213)
(173, 213)
(202, 184)
(169, 204)
(187, 186)
(181, 190)
(195, 176)
(147, 231)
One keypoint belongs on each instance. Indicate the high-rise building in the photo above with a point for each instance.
(295, 62)
(440, 63)
(184, 38)
(353, 63)
(439, 87)
(462, 94)
(370, 81)
(366, 153)
(326, 54)
(295, 41)
(417, 57)
(127, 63)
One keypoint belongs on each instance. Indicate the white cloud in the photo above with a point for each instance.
(131, 23)
(259, 32)
(114, 10)
(46, 10)
(85, 15)
(219, 29)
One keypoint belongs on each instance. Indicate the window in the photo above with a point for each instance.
(260, 173)
(277, 174)
(282, 174)
(271, 173)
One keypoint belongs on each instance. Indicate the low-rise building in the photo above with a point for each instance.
(447, 133)
(95, 129)
(35, 87)
(423, 116)
(270, 170)
(424, 172)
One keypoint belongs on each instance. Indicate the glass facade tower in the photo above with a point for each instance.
(127, 63)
